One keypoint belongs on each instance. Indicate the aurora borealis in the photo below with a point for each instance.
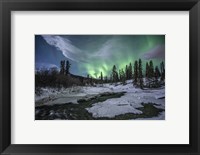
(93, 54)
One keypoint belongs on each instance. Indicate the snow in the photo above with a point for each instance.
(112, 107)
(68, 95)
(128, 103)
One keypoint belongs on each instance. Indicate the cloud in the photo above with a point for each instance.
(156, 53)
(65, 46)
(74, 53)
(105, 50)
(39, 66)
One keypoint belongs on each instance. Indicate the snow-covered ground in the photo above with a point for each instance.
(51, 96)
(127, 103)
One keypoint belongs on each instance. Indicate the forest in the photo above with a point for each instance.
(154, 77)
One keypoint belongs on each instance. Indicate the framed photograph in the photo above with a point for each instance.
(100, 77)
(88, 77)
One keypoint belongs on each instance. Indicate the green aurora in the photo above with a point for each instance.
(93, 54)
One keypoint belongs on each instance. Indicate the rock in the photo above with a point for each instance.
(82, 100)
(37, 112)
(51, 113)
(58, 115)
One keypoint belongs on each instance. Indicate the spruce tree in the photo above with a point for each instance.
(130, 71)
(106, 79)
(117, 76)
(68, 65)
(101, 77)
(111, 77)
(123, 77)
(151, 69)
(157, 71)
(114, 74)
(162, 69)
(135, 76)
(120, 75)
(147, 70)
(62, 67)
(140, 75)
(127, 72)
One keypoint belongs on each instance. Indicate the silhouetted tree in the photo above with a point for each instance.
(123, 77)
(135, 75)
(151, 69)
(114, 74)
(68, 65)
(162, 69)
(101, 77)
(111, 77)
(127, 72)
(120, 75)
(147, 70)
(140, 75)
(106, 79)
(62, 67)
(130, 71)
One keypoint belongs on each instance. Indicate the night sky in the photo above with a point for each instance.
(92, 54)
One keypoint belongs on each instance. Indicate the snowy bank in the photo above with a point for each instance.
(133, 98)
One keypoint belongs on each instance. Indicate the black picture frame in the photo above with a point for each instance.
(6, 6)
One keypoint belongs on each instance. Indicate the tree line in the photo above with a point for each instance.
(153, 77)
(150, 77)
(56, 78)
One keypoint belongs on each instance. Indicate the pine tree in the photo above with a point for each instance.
(117, 76)
(147, 70)
(111, 77)
(135, 76)
(106, 79)
(62, 67)
(123, 77)
(127, 72)
(157, 71)
(120, 75)
(151, 69)
(140, 75)
(68, 65)
(162, 69)
(130, 71)
(101, 77)
(114, 74)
